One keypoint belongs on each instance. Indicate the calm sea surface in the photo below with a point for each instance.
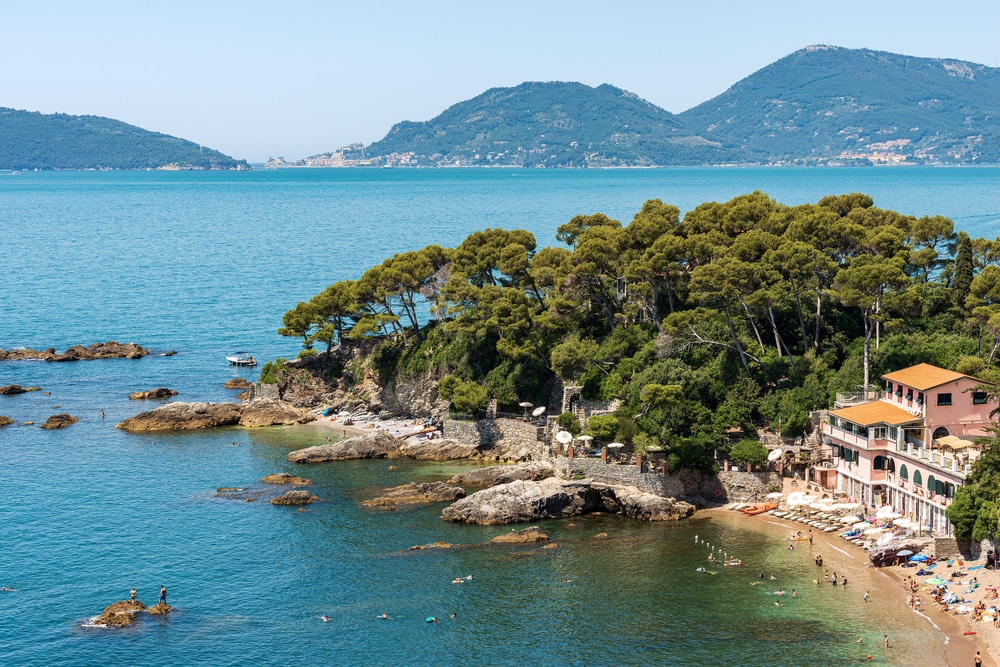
(207, 263)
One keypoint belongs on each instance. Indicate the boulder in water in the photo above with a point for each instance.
(414, 494)
(162, 392)
(5, 421)
(285, 478)
(374, 445)
(236, 383)
(59, 421)
(525, 536)
(119, 614)
(494, 475)
(296, 497)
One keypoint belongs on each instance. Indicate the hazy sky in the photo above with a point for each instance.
(257, 79)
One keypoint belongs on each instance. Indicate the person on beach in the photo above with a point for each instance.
(163, 594)
(826, 576)
(979, 660)
(810, 538)
(866, 597)
(886, 637)
(133, 595)
(843, 582)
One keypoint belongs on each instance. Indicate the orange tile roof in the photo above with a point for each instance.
(924, 376)
(876, 412)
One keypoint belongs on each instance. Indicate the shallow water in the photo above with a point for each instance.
(207, 263)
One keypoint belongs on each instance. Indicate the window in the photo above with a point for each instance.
(903, 472)
(949, 490)
(979, 398)
(899, 390)
(918, 479)
(879, 433)
(888, 387)
(940, 432)
(920, 398)
(880, 463)
(909, 394)
(944, 399)
(893, 433)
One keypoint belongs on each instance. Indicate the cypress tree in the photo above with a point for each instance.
(963, 269)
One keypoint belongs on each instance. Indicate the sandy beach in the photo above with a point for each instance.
(366, 423)
(886, 584)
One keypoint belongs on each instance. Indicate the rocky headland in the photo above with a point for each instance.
(191, 416)
(552, 498)
(110, 350)
(162, 392)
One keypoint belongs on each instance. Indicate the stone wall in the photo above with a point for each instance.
(688, 485)
(748, 485)
(517, 439)
(260, 390)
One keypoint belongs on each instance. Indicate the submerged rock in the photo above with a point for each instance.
(493, 475)
(413, 494)
(374, 445)
(14, 389)
(296, 497)
(162, 392)
(5, 421)
(59, 421)
(432, 545)
(525, 536)
(284, 478)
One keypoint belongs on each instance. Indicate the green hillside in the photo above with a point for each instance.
(554, 124)
(826, 102)
(30, 140)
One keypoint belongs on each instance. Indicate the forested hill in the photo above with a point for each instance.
(551, 124)
(825, 102)
(31, 140)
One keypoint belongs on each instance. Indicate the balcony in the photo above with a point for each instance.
(847, 400)
(846, 437)
(934, 459)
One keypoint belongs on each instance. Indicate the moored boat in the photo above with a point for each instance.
(241, 359)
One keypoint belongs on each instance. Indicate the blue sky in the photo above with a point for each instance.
(257, 79)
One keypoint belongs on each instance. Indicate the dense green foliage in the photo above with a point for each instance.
(749, 451)
(31, 140)
(552, 124)
(743, 316)
(820, 102)
(975, 513)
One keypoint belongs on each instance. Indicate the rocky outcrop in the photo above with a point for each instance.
(5, 421)
(525, 536)
(109, 350)
(285, 478)
(415, 494)
(493, 475)
(119, 614)
(637, 504)
(59, 421)
(14, 389)
(524, 501)
(184, 417)
(236, 383)
(160, 609)
(191, 416)
(552, 498)
(432, 545)
(296, 497)
(272, 412)
(438, 450)
(162, 392)
(374, 445)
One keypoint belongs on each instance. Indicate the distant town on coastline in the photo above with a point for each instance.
(822, 105)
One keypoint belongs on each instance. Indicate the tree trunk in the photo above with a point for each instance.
(736, 342)
(753, 325)
(802, 319)
(868, 344)
(819, 311)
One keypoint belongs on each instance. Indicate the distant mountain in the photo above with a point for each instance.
(830, 104)
(30, 140)
(553, 124)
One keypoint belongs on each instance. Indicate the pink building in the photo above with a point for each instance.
(911, 445)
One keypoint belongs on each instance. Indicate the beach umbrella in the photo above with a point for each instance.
(538, 412)
(564, 437)
(904, 552)
(616, 445)
(874, 531)
(887, 512)
(847, 519)
(919, 558)
(861, 524)
(935, 581)
(776, 494)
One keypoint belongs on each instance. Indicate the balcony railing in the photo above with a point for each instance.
(846, 437)
(844, 400)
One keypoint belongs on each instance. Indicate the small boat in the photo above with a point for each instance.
(241, 359)
(759, 509)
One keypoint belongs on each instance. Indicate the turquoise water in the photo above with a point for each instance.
(206, 263)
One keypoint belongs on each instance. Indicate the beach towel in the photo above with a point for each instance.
(976, 567)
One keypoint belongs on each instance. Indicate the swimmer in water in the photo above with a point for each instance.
(453, 614)
(469, 578)
(326, 619)
(8, 590)
(773, 578)
(384, 616)
(431, 619)
(456, 581)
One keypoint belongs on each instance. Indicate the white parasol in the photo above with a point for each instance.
(776, 494)
(616, 445)
(538, 412)
(564, 437)
(774, 455)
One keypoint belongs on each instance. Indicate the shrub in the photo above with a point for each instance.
(569, 422)
(748, 451)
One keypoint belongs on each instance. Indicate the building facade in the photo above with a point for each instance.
(911, 445)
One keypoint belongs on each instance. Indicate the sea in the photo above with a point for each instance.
(206, 263)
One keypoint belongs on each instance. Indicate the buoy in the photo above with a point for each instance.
(969, 632)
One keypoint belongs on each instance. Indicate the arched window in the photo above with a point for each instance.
(941, 432)
(930, 483)
(918, 479)
(903, 472)
(878, 463)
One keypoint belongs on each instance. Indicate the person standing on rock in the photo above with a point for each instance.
(163, 595)
(133, 595)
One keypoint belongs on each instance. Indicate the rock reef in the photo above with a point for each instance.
(59, 421)
(162, 392)
(374, 445)
(119, 614)
(494, 475)
(285, 478)
(524, 536)
(5, 421)
(295, 497)
(417, 494)
(190, 416)
(14, 389)
(236, 383)
(110, 350)
(552, 498)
